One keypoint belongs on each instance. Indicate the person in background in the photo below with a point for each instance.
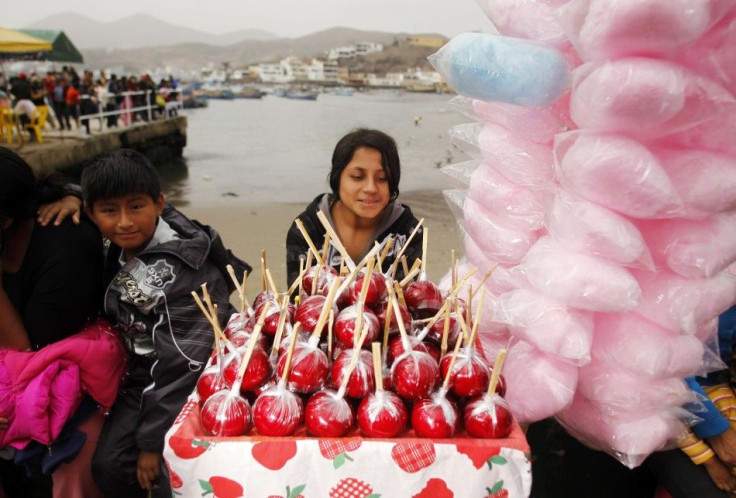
(363, 206)
(72, 104)
(60, 89)
(50, 288)
(155, 258)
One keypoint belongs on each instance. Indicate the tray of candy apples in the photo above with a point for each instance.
(355, 349)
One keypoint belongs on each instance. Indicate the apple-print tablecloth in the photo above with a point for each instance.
(351, 467)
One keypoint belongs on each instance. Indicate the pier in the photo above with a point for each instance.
(159, 140)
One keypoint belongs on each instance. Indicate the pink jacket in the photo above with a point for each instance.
(40, 390)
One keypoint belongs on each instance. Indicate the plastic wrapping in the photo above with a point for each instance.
(547, 324)
(643, 98)
(512, 205)
(529, 19)
(470, 373)
(635, 344)
(272, 318)
(705, 181)
(226, 414)
(714, 135)
(414, 375)
(376, 290)
(256, 373)
(629, 436)
(397, 345)
(540, 385)
(211, 381)
(487, 416)
(693, 248)
(615, 172)
(579, 279)
(308, 311)
(606, 29)
(583, 226)
(239, 323)
(495, 242)
(362, 379)
(435, 417)
(423, 298)
(309, 368)
(328, 414)
(394, 325)
(277, 411)
(382, 414)
(324, 275)
(491, 67)
(684, 304)
(713, 56)
(345, 322)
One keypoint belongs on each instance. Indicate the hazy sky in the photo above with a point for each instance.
(288, 18)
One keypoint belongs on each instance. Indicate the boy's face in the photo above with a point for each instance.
(129, 221)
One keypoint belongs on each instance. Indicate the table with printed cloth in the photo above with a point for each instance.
(299, 466)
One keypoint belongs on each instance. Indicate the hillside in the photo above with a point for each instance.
(395, 58)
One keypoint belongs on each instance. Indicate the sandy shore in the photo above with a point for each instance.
(247, 229)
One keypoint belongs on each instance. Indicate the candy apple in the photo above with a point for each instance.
(435, 417)
(309, 368)
(344, 327)
(211, 381)
(382, 414)
(377, 291)
(414, 375)
(423, 298)
(256, 373)
(277, 412)
(470, 373)
(265, 295)
(362, 379)
(272, 318)
(394, 326)
(487, 416)
(396, 348)
(328, 415)
(226, 414)
(238, 322)
(324, 275)
(308, 311)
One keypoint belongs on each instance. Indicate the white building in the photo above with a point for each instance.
(350, 51)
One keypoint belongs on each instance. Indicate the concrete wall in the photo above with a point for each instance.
(158, 140)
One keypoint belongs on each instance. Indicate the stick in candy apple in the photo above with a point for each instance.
(361, 381)
(395, 265)
(471, 372)
(277, 411)
(436, 416)
(414, 374)
(382, 413)
(327, 413)
(423, 297)
(350, 320)
(212, 378)
(227, 413)
(488, 415)
(310, 363)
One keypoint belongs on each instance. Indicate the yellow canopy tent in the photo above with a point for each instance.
(16, 44)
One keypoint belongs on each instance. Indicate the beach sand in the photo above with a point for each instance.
(247, 229)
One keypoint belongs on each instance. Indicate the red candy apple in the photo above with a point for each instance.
(277, 411)
(393, 326)
(376, 292)
(308, 312)
(396, 347)
(470, 374)
(382, 414)
(414, 375)
(209, 383)
(226, 414)
(310, 368)
(256, 373)
(271, 322)
(423, 298)
(487, 416)
(435, 417)
(324, 276)
(328, 414)
(346, 321)
(362, 379)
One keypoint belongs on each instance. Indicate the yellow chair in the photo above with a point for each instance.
(6, 124)
(38, 121)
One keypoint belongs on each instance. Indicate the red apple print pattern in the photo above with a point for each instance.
(337, 450)
(497, 491)
(351, 488)
(479, 455)
(221, 487)
(273, 454)
(435, 488)
(186, 448)
(413, 457)
(174, 478)
(291, 493)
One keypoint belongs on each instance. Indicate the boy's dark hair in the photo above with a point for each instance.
(119, 172)
(364, 137)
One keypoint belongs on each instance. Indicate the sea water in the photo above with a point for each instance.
(276, 150)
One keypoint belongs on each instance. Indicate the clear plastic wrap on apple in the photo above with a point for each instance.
(226, 414)
(210, 382)
(487, 416)
(362, 380)
(382, 414)
(277, 412)
(470, 375)
(423, 298)
(256, 373)
(345, 323)
(435, 417)
(414, 375)
(308, 311)
(328, 415)
(309, 369)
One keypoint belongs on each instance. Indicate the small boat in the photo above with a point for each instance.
(301, 95)
(344, 92)
(249, 93)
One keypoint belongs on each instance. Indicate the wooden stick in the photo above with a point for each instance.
(354, 273)
(209, 318)
(326, 309)
(330, 325)
(377, 367)
(425, 240)
(399, 319)
(299, 278)
(310, 243)
(335, 239)
(315, 278)
(400, 294)
(486, 276)
(249, 351)
(497, 367)
(213, 311)
(453, 267)
(395, 264)
(357, 349)
(271, 283)
(290, 353)
(325, 249)
(478, 315)
(384, 253)
(283, 309)
(449, 297)
(387, 325)
(446, 383)
(361, 298)
(461, 321)
(238, 287)
(405, 265)
(416, 268)
(445, 333)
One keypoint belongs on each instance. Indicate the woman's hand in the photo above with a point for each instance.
(149, 464)
(60, 210)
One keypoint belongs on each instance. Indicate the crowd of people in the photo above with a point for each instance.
(73, 99)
